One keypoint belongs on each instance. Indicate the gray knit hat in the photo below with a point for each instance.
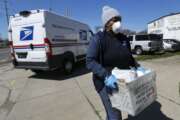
(108, 13)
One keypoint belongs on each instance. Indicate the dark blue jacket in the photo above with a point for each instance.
(105, 52)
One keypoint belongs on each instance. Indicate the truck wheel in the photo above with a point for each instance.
(152, 52)
(37, 71)
(68, 66)
(138, 50)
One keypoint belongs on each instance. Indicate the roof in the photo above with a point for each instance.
(171, 14)
(43, 10)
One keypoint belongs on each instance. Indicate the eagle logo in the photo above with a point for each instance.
(26, 33)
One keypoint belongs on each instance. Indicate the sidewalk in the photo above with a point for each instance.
(168, 103)
(57, 97)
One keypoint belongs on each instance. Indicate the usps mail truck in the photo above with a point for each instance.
(41, 40)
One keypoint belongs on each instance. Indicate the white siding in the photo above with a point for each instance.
(169, 26)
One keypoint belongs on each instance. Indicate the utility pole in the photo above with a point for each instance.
(6, 11)
(50, 5)
(67, 12)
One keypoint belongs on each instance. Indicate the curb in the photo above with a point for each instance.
(5, 61)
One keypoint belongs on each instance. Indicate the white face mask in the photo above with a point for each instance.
(116, 27)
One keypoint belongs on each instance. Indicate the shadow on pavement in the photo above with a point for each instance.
(153, 112)
(79, 69)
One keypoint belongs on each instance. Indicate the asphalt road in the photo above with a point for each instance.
(4, 54)
(55, 96)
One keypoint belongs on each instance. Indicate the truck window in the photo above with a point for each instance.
(130, 38)
(90, 33)
(141, 37)
(83, 35)
(155, 37)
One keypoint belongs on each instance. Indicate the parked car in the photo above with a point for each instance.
(146, 43)
(41, 40)
(171, 45)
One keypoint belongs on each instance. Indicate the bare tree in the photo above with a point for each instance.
(98, 28)
(143, 32)
(128, 32)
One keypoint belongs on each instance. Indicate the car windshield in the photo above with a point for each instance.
(165, 40)
(175, 41)
(171, 41)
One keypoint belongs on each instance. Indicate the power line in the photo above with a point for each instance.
(6, 10)
(11, 7)
(67, 12)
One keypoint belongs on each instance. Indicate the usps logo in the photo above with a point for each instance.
(26, 33)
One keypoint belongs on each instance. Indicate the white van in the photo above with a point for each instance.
(43, 41)
(146, 43)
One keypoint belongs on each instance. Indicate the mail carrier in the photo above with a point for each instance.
(44, 41)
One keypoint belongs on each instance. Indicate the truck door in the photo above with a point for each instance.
(83, 43)
(28, 42)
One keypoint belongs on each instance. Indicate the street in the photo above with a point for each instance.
(4, 54)
(54, 96)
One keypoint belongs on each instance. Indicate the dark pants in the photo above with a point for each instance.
(112, 114)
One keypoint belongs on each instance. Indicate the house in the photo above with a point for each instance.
(168, 26)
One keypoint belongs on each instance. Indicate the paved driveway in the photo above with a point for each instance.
(54, 96)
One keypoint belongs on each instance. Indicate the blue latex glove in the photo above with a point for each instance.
(111, 81)
(141, 69)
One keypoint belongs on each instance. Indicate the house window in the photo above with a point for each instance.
(154, 24)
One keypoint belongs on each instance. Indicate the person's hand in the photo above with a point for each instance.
(111, 81)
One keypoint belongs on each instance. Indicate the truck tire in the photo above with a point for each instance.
(38, 71)
(138, 50)
(152, 52)
(68, 66)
